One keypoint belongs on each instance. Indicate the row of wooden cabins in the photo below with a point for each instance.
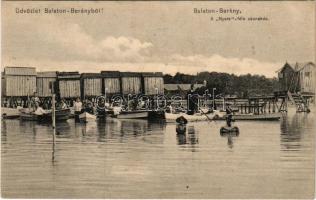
(20, 82)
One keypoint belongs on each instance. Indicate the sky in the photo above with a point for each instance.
(158, 36)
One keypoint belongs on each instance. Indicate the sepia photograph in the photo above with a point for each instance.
(158, 99)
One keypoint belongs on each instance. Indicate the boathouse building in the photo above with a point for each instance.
(298, 77)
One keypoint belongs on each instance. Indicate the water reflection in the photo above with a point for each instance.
(53, 152)
(193, 135)
(230, 138)
(4, 131)
(187, 135)
(101, 126)
(291, 131)
(181, 129)
(181, 139)
(119, 130)
(63, 130)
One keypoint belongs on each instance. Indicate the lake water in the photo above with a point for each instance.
(140, 159)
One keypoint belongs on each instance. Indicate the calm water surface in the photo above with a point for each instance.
(138, 159)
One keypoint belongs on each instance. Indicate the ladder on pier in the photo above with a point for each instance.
(299, 101)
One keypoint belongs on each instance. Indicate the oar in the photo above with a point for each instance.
(205, 115)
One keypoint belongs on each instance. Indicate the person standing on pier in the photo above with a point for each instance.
(192, 101)
(78, 109)
(229, 115)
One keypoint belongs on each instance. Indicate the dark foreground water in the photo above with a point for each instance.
(137, 159)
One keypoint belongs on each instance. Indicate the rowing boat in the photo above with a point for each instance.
(171, 117)
(60, 115)
(140, 114)
(261, 117)
(87, 117)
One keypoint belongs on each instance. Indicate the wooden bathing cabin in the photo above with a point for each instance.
(44, 80)
(111, 83)
(44, 83)
(131, 83)
(152, 83)
(91, 85)
(18, 84)
(68, 85)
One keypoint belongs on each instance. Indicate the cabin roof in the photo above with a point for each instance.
(68, 75)
(48, 74)
(110, 74)
(152, 74)
(174, 87)
(91, 75)
(22, 71)
(130, 74)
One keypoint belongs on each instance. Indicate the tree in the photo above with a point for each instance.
(242, 86)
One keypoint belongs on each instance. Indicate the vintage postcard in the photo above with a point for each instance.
(158, 99)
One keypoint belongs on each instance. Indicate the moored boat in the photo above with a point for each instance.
(87, 117)
(261, 117)
(172, 117)
(137, 114)
(61, 115)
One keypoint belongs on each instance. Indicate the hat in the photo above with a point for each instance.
(181, 120)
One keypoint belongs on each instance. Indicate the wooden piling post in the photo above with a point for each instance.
(249, 105)
(273, 106)
(53, 124)
(286, 102)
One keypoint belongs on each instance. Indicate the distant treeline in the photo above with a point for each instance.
(228, 84)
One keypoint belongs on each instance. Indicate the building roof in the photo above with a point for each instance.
(286, 65)
(186, 87)
(68, 75)
(91, 75)
(295, 66)
(152, 74)
(300, 65)
(130, 74)
(50, 74)
(22, 71)
(110, 74)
